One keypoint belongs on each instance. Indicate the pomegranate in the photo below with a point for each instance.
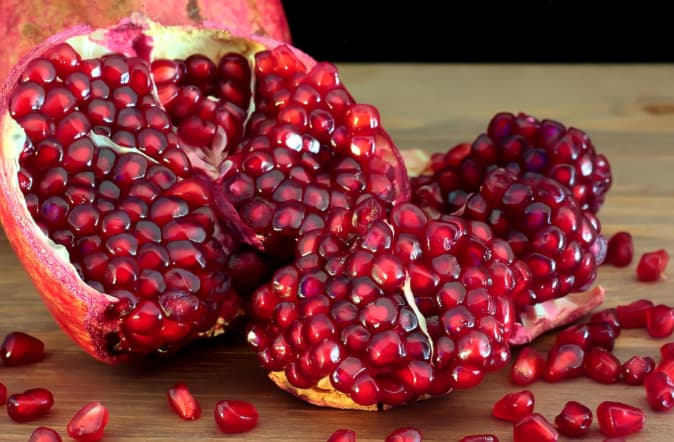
(342, 435)
(514, 406)
(574, 420)
(405, 434)
(44, 434)
(409, 308)
(21, 28)
(183, 403)
(667, 351)
(534, 427)
(602, 366)
(120, 208)
(620, 250)
(528, 367)
(636, 368)
(619, 419)
(88, 423)
(651, 265)
(29, 405)
(235, 416)
(659, 391)
(20, 348)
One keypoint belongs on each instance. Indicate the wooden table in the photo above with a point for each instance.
(629, 113)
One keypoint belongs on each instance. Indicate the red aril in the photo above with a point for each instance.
(20, 348)
(659, 391)
(514, 406)
(480, 438)
(667, 351)
(636, 368)
(3, 394)
(342, 435)
(619, 419)
(574, 420)
(651, 265)
(528, 367)
(601, 365)
(660, 321)
(88, 423)
(620, 250)
(564, 362)
(534, 428)
(634, 315)
(608, 317)
(29, 405)
(44, 434)
(183, 403)
(233, 416)
(405, 434)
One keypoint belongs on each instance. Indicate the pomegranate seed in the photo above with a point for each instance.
(183, 403)
(235, 416)
(3, 394)
(667, 351)
(659, 391)
(480, 438)
(574, 420)
(615, 439)
(405, 434)
(620, 250)
(636, 368)
(660, 321)
(578, 334)
(20, 348)
(29, 405)
(514, 406)
(342, 436)
(564, 362)
(666, 366)
(608, 317)
(602, 366)
(528, 367)
(618, 419)
(651, 265)
(88, 423)
(633, 315)
(44, 434)
(534, 428)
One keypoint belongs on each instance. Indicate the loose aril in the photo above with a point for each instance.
(534, 428)
(651, 265)
(183, 403)
(660, 321)
(636, 368)
(667, 351)
(601, 365)
(564, 362)
(574, 420)
(3, 394)
(44, 434)
(528, 367)
(405, 434)
(480, 438)
(634, 315)
(20, 348)
(619, 419)
(659, 391)
(514, 406)
(234, 416)
(88, 423)
(342, 435)
(29, 405)
(620, 249)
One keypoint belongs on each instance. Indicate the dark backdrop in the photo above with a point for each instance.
(481, 31)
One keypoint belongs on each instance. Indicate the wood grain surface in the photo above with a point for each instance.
(629, 113)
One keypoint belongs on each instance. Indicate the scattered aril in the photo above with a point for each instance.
(480, 438)
(534, 428)
(514, 406)
(620, 250)
(29, 405)
(564, 362)
(633, 315)
(660, 321)
(601, 365)
(619, 419)
(659, 391)
(3, 394)
(574, 420)
(607, 317)
(20, 348)
(636, 368)
(528, 367)
(342, 435)
(667, 351)
(405, 434)
(183, 402)
(651, 265)
(44, 434)
(234, 416)
(88, 423)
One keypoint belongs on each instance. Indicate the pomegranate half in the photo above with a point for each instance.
(122, 148)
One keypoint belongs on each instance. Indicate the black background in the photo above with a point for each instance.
(480, 31)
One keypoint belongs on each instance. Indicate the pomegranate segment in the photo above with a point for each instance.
(574, 420)
(405, 434)
(235, 416)
(183, 403)
(651, 265)
(342, 435)
(20, 348)
(44, 434)
(534, 428)
(620, 250)
(88, 423)
(618, 419)
(514, 406)
(29, 405)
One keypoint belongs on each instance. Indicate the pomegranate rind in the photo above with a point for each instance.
(76, 307)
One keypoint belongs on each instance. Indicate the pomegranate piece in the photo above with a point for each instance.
(88, 423)
(534, 427)
(608, 317)
(44, 434)
(514, 406)
(636, 368)
(659, 391)
(29, 405)
(3, 394)
(342, 435)
(618, 419)
(480, 438)
(405, 434)
(602, 366)
(528, 367)
(667, 351)
(660, 321)
(20, 348)
(651, 265)
(564, 362)
(620, 250)
(634, 315)
(183, 403)
(233, 416)
(574, 420)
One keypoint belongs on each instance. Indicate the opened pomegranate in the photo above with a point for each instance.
(123, 147)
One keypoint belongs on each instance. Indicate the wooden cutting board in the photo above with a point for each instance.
(629, 113)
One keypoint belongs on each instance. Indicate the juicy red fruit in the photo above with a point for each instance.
(574, 420)
(602, 366)
(88, 423)
(44, 434)
(636, 368)
(3, 394)
(534, 428)
(29, 405)
(529, 366)
(659, 391)
(479, 438)
(234, 416)
(619, 419)
(651, 265)
(564, 362)
(660, 321)
(620, 250)
(514, 406)
(342, 435)
(20, 348)
(405, 434)
(183, 403)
